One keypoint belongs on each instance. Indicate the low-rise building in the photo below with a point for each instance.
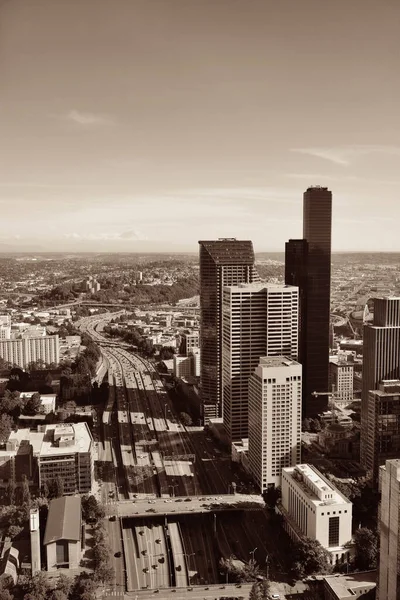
(67, 450)
(350, 587)
(312, 507)
(63, 534)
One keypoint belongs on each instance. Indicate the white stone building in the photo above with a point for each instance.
(312, 507)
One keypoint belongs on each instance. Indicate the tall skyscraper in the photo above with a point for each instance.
(389, 527)
(383, 439)
(381, 362)
(222, 262)
(258, 320)
(308, 266)
(274, 419)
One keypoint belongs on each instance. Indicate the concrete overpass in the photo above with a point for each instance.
(147, 507)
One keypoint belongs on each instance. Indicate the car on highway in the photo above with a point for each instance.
(112, 518)
(275, 597)
(118, 554)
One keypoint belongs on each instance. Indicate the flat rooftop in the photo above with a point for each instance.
(257, 287)
(42, 442)
(318, 489)
(277, 361)
(348, 585)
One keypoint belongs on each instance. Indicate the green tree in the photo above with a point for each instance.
(6, 595)
(11, 402)
(366, 549)
(45, 489)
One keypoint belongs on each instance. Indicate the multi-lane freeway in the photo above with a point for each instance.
(161, 477)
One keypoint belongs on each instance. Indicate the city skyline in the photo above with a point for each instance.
(137, 126)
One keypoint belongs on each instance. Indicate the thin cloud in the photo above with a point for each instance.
(88, 119)
(350, 178)
(345, 155)
(108, 236)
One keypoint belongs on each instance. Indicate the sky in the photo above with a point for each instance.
(147, 125)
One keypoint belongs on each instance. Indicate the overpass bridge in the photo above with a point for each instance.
(151, 507)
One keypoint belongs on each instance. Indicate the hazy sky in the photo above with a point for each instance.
(132, 125)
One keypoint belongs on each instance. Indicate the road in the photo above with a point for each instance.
(149, 454)
(142, 507)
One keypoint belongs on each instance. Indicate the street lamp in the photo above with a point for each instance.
(173, 486)
(267, 563)
(187, 556)
(252, 552)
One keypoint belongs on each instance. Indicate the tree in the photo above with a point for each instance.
(25, 491)
(14, 530)
(37, 587)
(64, 584)
(11, 403)
(104, 572)
(315, 425)
(45, 489)
(306, 424)
(309, 558)
(185, 419)
(260, 590)
(91, 509)
(365, 549)
(5, 595)
(6, 425)
(33, 404)
(11, 487)
(58, 595)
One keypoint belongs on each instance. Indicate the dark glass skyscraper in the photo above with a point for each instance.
(308, 265)
(222, 262)
(381, 362)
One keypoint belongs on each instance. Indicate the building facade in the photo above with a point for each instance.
(257, 320)
(389, 527)
(312, 507)
(274, 419)
(383, 439)
(62, 538)
(308, 266)
(381, 361)
(67, 450)
(222, 262)
(21, 352)
(341, 377)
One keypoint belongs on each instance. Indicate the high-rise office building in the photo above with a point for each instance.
(308, 266)
(381, 362)
(222, 262)
(341, 376)
(383, 439)
(389, 527)
(274, 419)
(258, 320)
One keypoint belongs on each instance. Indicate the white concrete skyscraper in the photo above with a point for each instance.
(274, 419)
(257, 320)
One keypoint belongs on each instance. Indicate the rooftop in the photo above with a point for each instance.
(347, 585)
(319, 489)
(230, 251)
(258, 287)
(63, 520)
(276, 361)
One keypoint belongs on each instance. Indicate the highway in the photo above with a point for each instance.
(153, 466)
(144, 507)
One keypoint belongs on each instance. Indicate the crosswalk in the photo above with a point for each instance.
(112, 593)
